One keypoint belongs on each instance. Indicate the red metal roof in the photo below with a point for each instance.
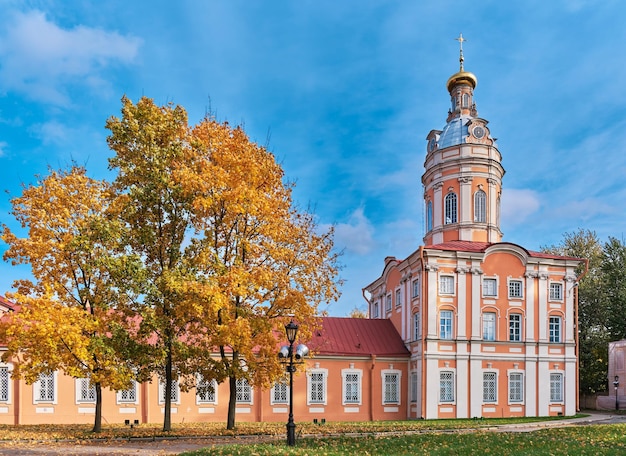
(357, 337)
(4, 302)
(470, 246)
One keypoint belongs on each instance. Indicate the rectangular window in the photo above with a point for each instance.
(515, 328)
(4, 384)
(446, 285)
(417, 327)
(351, 388)
(489, 326)
(45, 389)
(445, 324)
(317, 388)
(128, 395)
(556, 292)
(490, 287)
(280, 393)
(555, 329)
(516, 387)
(398, 297)
(391, 388)
(556, 387)
(206, 392)
(388, 303)
(375, 311)
(489, 387)
(515, 289)
(86, 392)
(416, 288)
(414, 387)
(446, 386)
(173, 393)
(244, 391)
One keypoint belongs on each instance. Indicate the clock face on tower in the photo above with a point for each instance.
(478, 132)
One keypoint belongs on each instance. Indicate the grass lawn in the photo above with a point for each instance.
(580, 440)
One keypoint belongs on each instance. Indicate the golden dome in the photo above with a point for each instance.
(460, 78)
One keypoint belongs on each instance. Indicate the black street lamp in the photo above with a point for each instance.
(285, 352)
(616, 384)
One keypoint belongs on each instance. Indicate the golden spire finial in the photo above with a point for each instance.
(460, 39)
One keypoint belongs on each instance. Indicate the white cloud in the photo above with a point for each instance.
(518, 205)
(356, 235)
(3, 146)
(38, 58)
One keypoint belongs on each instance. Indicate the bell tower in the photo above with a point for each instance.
(463, 173)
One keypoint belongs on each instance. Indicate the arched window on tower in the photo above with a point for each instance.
(466, 100)
(429, 216)
(480, 206)
(450, 208)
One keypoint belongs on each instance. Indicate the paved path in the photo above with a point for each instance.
(170, 447)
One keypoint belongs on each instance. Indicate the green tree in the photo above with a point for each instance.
(614, 284)
(67, 317)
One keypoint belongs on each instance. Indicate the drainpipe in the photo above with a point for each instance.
(424, 377)
(372, 387)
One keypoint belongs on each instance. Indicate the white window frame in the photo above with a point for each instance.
(375, 309)
(556, 387)
(175, 393)
(279, 393)
(516, 326)
(449, 375)
(516, 380)
(5, 383)
(417, 326)
(490, 387)
(489, 326)
(556, 291)
(446, 331)
(392, 389)
(321, 386)
(398, 297)
(516, 289)
(490, 287)
(134, 389)
(84, 388)
(200, 382)
(388, 303)
(243, 389)
(37, 389)
(416, 288)
(450, 209)
(355, 381)
(446, 285)
(480, 206)
(555, 329)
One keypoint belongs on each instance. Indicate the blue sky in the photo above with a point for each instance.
(344, 93)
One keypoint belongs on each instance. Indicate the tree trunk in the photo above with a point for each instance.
(232, 402)
(167, 420)
(97, 424)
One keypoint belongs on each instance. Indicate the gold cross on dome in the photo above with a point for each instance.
(460, 39)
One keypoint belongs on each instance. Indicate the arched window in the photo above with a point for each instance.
(429, 216)
(498, 211)
(480, 207)
(466, 100)
(450, 208)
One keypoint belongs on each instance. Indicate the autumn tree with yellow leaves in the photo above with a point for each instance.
(66, 318)
(260, 261)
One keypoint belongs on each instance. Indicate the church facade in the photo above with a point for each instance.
(466, 326)
(491, 326)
